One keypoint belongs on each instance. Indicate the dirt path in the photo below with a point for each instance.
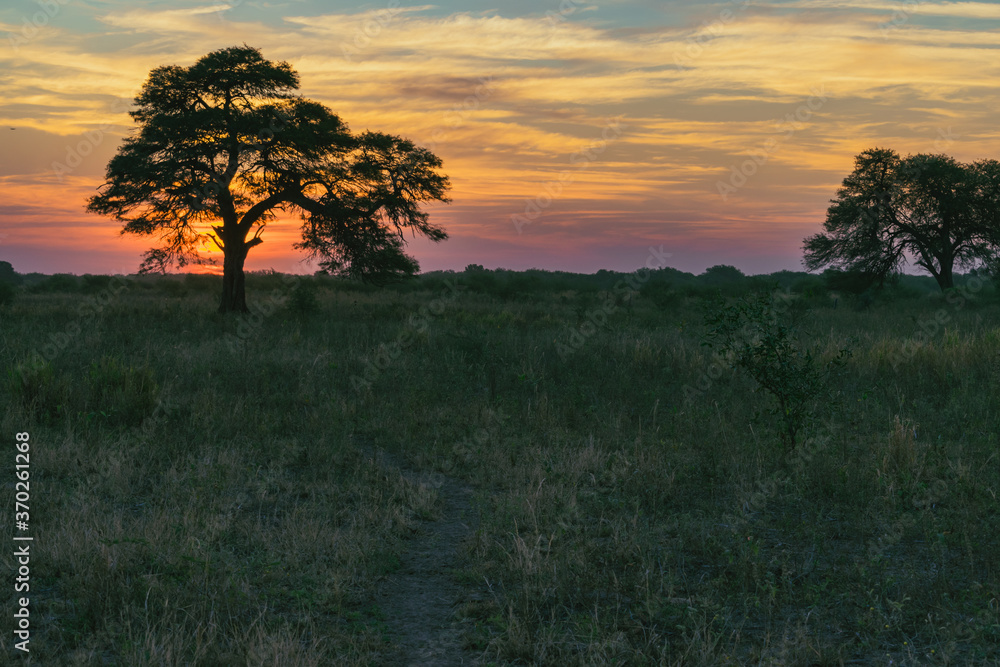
(420, 601)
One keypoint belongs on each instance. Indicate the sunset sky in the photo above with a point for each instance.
(517, 95)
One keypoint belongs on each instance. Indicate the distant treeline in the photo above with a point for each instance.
(662, 287)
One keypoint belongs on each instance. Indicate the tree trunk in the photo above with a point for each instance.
(945, 278)
(234, 299)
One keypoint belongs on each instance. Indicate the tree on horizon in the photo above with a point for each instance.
(226, 144)
(943, 213)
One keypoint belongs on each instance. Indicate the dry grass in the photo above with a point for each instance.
(199, 503)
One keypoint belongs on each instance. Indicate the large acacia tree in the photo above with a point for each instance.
(940, 212)
(224, 145)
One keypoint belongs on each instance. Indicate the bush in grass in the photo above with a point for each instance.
(752, 337)
(7, 293)
(303, 297)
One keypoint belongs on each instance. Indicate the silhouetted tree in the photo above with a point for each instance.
(227, 143)
(721, 274)
(8, 274)
(941, 212)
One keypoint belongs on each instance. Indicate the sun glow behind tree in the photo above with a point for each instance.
(226, 144)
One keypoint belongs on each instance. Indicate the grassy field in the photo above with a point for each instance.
(224, 491)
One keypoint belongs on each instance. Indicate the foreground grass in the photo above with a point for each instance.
(205, 490)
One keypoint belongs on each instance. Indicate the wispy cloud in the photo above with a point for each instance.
(555, 85)
(977, 10)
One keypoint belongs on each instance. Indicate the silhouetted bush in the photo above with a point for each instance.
(303, 297)
(480, 281)
(60, 282)
(8, 275)
(91, 284)
(721, 274)
(660, 293)
(761, 284)
(809, 286)
(7, 293)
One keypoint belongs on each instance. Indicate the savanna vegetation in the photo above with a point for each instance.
(219, 490)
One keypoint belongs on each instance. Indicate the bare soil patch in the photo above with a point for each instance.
(421, 600)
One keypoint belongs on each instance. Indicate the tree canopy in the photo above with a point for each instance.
(224, 145)
(941, 213)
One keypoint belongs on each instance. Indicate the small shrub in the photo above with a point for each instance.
(752, 337)
(849, 282)
(303, 298)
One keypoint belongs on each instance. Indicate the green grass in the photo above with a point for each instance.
(202, 501)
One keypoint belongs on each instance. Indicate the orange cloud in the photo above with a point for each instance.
(511, 104)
